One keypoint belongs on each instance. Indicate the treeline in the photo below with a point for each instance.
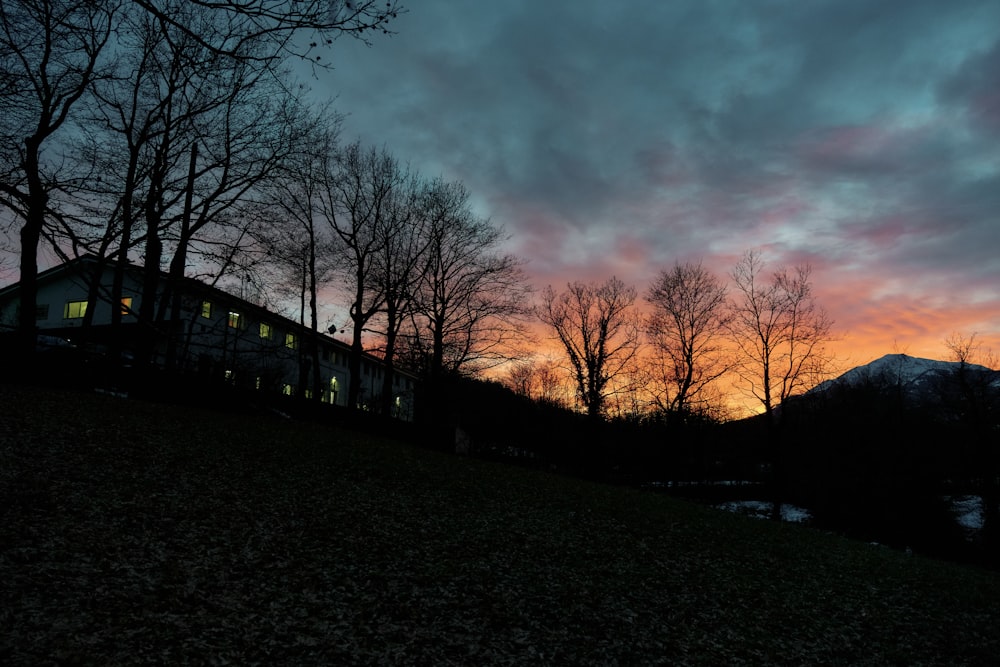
(700, 338)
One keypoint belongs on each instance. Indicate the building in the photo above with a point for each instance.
(217, 335)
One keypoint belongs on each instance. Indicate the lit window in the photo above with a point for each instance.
(291, 342)
(333, 390)
(234, 319)
(126, 305)
(74, 310)
(287, 389)
(257, 383)
(309, 393)
(265, 330)
(206, 309)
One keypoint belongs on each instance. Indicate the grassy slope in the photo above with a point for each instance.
(138, 533)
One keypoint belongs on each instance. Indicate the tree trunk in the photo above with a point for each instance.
(388, 365)
(178, 265)
(317, 380)
(31, 234)
(354, 367)
(147, 307)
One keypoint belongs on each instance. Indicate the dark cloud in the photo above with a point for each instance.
(624, 136)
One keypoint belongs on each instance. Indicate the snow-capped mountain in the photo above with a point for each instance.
(913, 374)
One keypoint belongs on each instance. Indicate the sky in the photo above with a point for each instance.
(616, 138)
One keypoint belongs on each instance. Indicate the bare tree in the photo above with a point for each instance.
(277, 23)
(780, 334)
(50, 53)
(402, 250)
(599, 331)
(779, 330)
(686, 330)
(520, 378)
(297, 244)
(971, 395)
(471, 301)
(355, 201)
(539, 380)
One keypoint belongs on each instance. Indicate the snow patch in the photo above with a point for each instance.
(968, 511)
(760, 509)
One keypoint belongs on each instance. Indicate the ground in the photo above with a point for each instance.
(135, 533)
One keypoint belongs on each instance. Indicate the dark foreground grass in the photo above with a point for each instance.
(135, 533)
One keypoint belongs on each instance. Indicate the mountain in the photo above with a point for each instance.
(913, 374)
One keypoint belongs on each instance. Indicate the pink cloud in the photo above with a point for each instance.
(846, 143)
(985, 108)
(877, 146)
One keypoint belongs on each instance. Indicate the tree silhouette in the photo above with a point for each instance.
(471, 299)
(51, 51)
(780, 334)
(686, 330)
(971, 397)
(599, 331)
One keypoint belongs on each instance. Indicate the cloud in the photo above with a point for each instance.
(859, 136)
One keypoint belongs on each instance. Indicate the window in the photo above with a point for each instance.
(42, 312)
(333, 390)
(288, 389)
(234, 319)
(265, 331)
(126, 305)
(74, 310)
(291, 342)
(206, 309)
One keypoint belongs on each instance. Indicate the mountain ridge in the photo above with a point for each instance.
(913, 374)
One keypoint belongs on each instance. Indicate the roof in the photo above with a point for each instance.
(194, 286)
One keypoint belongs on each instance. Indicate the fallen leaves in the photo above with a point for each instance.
(141, 533)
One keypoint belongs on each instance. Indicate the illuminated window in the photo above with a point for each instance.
(309, 393)
(126, 305)
(74, 310)
(206, 309)
(256, 383)
(234, 319)
(291, 342)
(333, 390)
(287, 389)
(265, 330)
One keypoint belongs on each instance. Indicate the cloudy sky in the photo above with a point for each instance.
(616, 138)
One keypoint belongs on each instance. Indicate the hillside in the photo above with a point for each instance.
(140, 533)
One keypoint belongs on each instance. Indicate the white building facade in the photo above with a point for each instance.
(216, 335)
